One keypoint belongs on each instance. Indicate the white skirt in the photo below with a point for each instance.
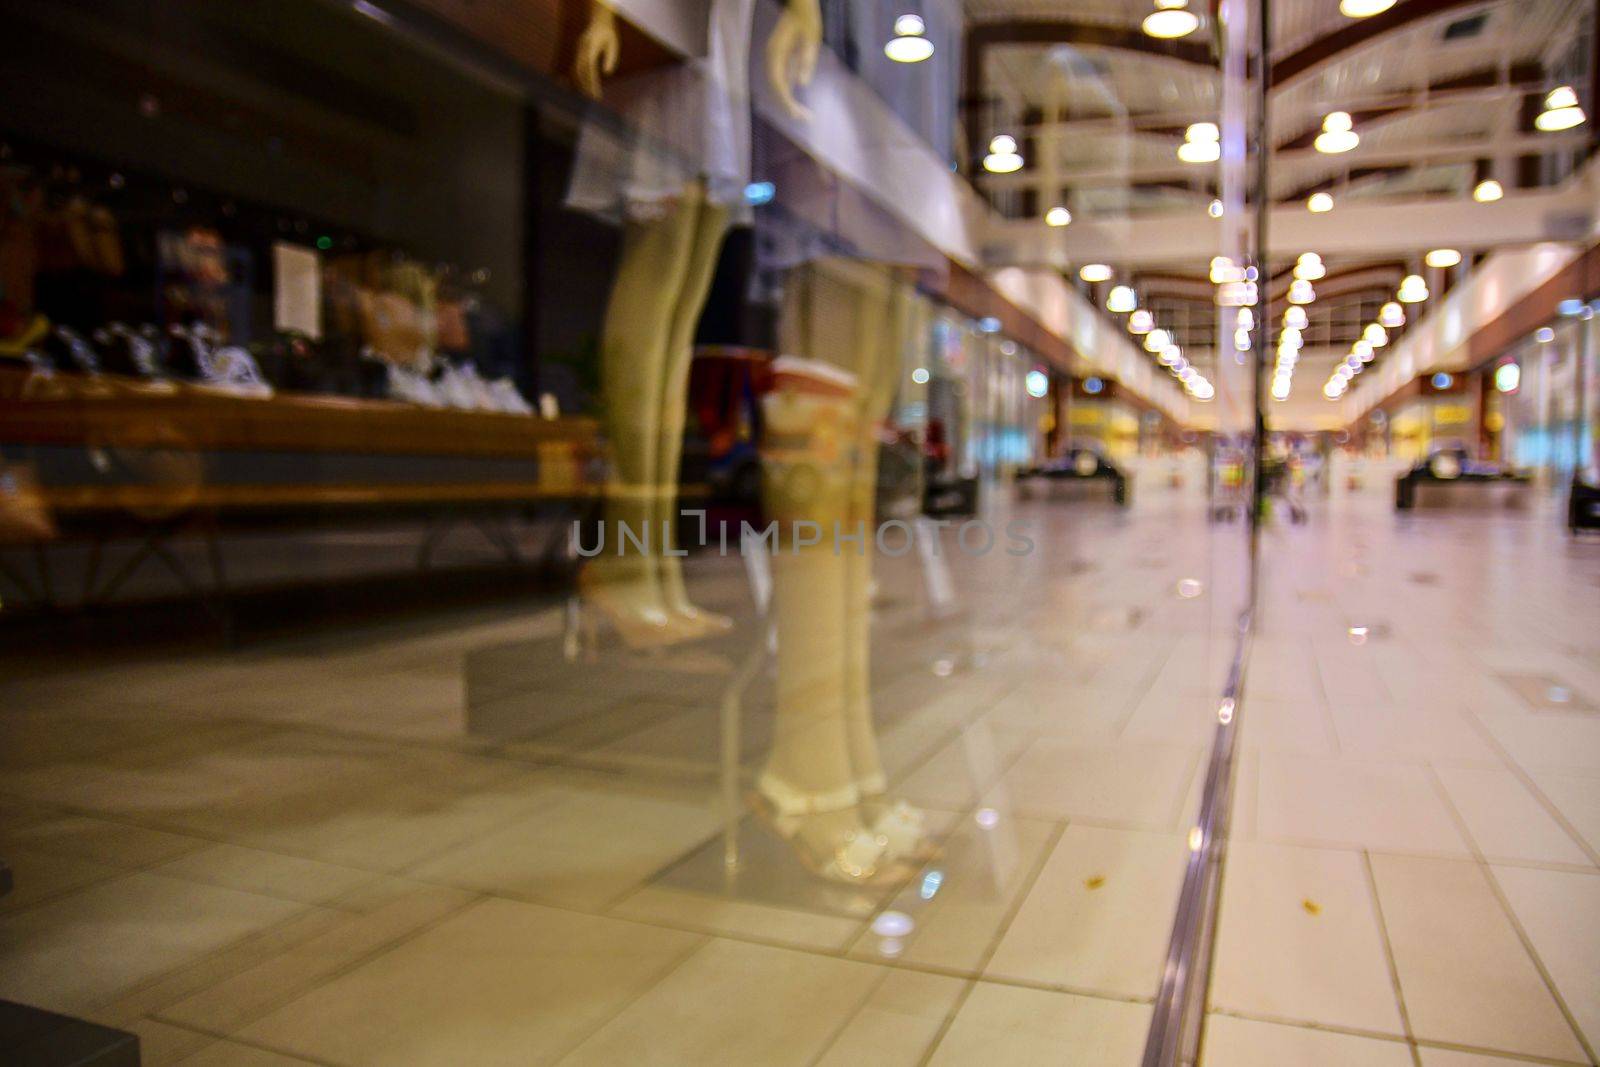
(682, 123)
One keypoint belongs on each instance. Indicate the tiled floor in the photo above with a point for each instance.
(429, 842)
(1422, 888)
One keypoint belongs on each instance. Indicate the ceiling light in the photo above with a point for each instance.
(1334, 389)
(1094, 272)
(1562, 118)
(1199, 151)
(1310, 270)
(1290, 339)
(1488, 191)
(1301, 292)
(1442, 257)
(1280, 390)
(1245, 320)
(1338, 134)
(1171, 19)
(1364, 9)
(1141, 321)
(1295, 318)
(909, 45)
(1392, 316)
(1002, 157)
(1375, 335)
(1224, 270)
(1544, 335)
(1057, 216)
(1319, 203)
(1413, 290)
(1170, 355)
(1507, 376)
(1202, 131)
(1363, 350)
(1214, 209)
(1156, 340)
(1561, 97)
(1241, 340)
(1121, 300)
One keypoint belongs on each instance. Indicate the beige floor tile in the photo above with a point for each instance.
(736, 1003)
(97, 944)
(1299, 940)
(1505, 820)
(1463, 971)
(897, 1024)
(233, 1054)
(1353, 804)
(1577, 797)
(1440, 1057)
(1549, 742)
(267, 873)
(1231, 1042)
(1410, 733)
(582, 848)
(1560, 912)
(1022, 1027)
(1277, 726)
(1130, 785)
(243, 990)
(38, 876)
(1099, 915)
(501, 982)
(100, 841)
(958, 905)
(963, 769)
(704, 913)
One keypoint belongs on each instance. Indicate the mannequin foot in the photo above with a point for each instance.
(633, 607)
(903, 826)
(836, 847)
(706, 623)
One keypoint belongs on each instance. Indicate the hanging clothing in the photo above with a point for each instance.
(680, 123)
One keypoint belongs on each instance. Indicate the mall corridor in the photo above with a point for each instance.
(799, 533)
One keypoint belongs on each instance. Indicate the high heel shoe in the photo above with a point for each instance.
(640, 626)
(860, 857)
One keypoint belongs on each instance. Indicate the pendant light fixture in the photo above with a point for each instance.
(909, 43)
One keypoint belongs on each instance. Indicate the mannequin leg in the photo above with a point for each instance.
(710, 228)
(880, 330)
(624, 580)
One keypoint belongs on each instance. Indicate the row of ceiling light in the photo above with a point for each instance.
(1413, 290)
(1172, 18)
(1122, 300)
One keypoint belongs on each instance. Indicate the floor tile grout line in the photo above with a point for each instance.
(1394, 1039)
(983, 962)
(1518, 772)
(1388, 957)
(638, 995)
(278, 1004)
(1486, 870)
(238, 1039)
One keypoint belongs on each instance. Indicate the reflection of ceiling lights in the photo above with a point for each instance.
(1318, 203)
(908, 44)
(1295, 318)
(1392, 316)
(1442, 257)
(1561, 111)
(1338, 134)
(1309, 267)
(1487, 191)
(1121, 300)
(1170, 19)
(1200, 143)
(1364, 9)
(1094, 272)
(1141, 321)
(1413, 290)
(1002, 157)
(1057, 216)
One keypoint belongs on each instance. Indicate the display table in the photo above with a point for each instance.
(117, 458)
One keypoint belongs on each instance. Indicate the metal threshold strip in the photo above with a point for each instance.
(1179, 1016)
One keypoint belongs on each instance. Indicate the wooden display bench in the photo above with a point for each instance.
(120, 458)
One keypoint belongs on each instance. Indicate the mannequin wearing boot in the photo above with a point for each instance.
(677, 186)
(823, 783)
